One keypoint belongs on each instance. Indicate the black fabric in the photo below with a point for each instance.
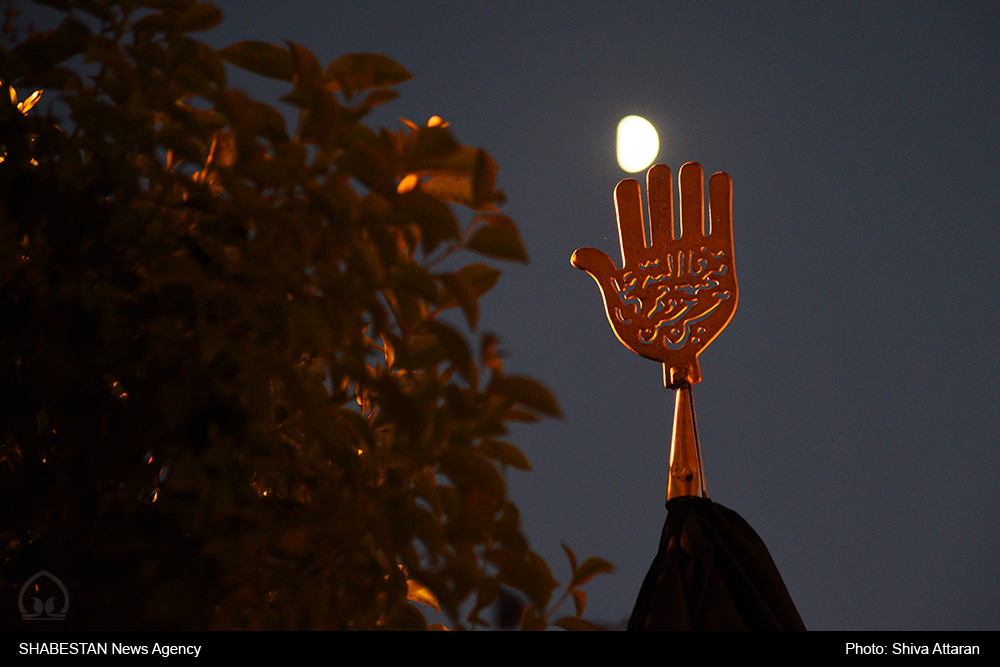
(712, 572)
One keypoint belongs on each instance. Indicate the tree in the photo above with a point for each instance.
(231, 398)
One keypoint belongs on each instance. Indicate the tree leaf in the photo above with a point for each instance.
(201, 16)
(363, 71)
(589, 569)
(25, 106)
(525, 416)
(532, 621)
(571, 556)
(397, 406)
(576, 624)
(261, 58)
(253, 118)
(449, 188)
(304, 64)
(353, 420)
(431, 149)
(498, 238)
(464, 287)
(415, 278)
(457, 291)
(526, 391)
(44, 49)
(455, 349)
(474, 473)
(417, 592)
(436, 220)
(154, 23)
(479, 277)
(483, 178)
(503, 452)
(528, 574)
(405, 617)
(167, 5)
(579, 601)
(377, 97)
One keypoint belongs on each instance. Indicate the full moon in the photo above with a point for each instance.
(637, 143)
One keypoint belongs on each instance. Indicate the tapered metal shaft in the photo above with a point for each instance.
(686, 475)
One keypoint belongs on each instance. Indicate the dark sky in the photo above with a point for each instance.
(849, 411)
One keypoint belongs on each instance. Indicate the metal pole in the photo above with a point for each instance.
(687, 477)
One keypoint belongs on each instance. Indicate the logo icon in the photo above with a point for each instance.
(45, 593)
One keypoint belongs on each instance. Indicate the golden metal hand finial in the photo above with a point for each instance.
(674, 296)
(671, 298)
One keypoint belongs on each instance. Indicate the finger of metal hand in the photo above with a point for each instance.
(720, 206)
(631, 233)
(692, 202)
(595, 262)
(659, 191)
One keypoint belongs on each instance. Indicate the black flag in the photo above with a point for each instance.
(712, 572)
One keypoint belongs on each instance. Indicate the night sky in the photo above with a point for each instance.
(849, 411)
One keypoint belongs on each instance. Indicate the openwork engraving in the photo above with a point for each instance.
(668, 299)
(673, 296)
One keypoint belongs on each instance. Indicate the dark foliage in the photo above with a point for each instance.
(229, 398)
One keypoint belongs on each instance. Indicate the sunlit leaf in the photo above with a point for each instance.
(407, 183)
(25, 106)
(417, 592)
(260, 58)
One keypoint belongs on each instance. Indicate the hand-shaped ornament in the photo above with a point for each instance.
(675, 295)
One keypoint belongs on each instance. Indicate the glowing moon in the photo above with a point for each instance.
(638, 143)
